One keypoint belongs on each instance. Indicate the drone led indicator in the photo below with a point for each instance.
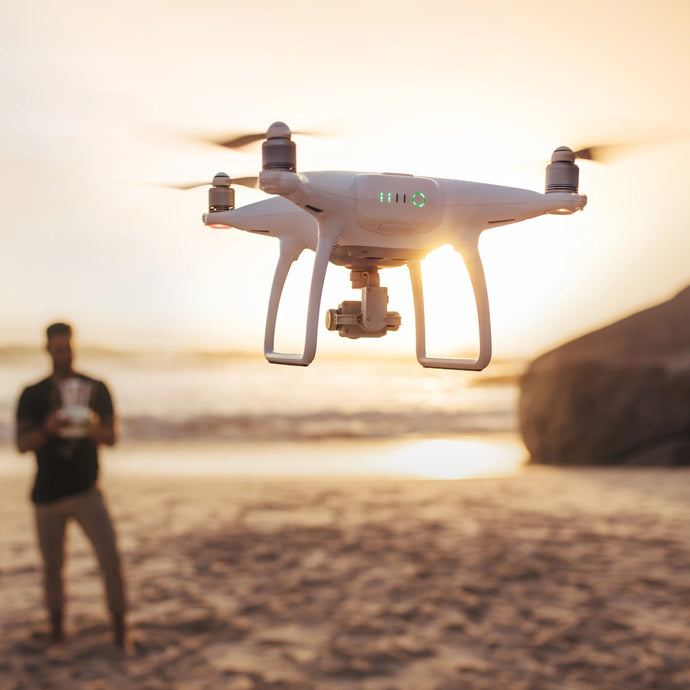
(418, 198)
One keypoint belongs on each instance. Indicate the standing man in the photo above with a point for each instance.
(63, 419)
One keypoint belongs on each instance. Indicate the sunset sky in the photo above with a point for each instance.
(98, 98)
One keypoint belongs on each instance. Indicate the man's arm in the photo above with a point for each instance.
(30, 436)
(104, 431)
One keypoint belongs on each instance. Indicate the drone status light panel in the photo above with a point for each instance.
(398, 203)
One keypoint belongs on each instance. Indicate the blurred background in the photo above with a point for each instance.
(99, 101)
(102, 104)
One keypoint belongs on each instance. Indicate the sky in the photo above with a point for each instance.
(102, 101)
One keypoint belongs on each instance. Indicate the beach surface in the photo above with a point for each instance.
(546, 578)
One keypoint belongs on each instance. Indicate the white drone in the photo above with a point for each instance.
(369, 221)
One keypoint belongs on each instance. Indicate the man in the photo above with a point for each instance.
(63, 419)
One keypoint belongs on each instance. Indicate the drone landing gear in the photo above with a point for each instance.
(475, 270)
(368, 318)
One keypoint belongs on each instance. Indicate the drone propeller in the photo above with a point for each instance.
(607, 153)
(238, 141)
(611, 152)
(242, 181)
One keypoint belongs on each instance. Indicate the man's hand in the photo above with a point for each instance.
(32, 437)
(54, 422)
(103, 430)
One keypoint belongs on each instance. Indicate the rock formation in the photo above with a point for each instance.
(618, 395)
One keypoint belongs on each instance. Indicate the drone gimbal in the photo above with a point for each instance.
(368, 318)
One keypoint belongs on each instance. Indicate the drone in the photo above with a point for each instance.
(370, 221)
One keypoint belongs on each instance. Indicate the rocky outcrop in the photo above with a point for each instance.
(619, 395)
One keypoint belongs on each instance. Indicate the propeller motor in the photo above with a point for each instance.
(221, 196)
(562, 174)
(279, 152)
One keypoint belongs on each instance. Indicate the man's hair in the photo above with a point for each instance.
(58, 329)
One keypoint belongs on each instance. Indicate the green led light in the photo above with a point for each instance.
(390, 197)
(381, 197)
(418, 199)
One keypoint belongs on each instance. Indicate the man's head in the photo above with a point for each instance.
(59, 347)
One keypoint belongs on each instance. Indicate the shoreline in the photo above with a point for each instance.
(450, 457)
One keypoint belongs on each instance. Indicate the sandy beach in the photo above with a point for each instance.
(549, 579)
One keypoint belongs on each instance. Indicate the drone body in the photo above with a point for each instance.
(366, 222)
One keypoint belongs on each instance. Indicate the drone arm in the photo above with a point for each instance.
(328, 234)
(475, 270)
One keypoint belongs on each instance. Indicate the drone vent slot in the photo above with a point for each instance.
(313, 208)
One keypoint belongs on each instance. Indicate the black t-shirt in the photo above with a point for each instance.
(65, 466)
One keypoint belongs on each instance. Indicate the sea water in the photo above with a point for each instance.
(240, 413)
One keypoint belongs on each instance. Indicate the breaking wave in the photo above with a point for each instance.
(320, 425)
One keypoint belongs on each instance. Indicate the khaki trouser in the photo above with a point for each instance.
(90, 511)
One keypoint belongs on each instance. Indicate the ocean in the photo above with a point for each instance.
(237, 405)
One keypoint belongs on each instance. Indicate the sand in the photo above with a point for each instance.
(559, 579)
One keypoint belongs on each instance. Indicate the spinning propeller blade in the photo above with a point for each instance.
(610, 152)
(607, 153)
(242, 181)
(238, 141)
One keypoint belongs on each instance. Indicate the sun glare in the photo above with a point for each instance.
(456, 459)
(451, 314)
